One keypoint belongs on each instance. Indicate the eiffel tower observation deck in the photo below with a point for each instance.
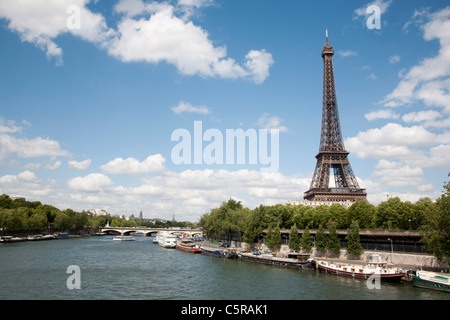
(332, 154)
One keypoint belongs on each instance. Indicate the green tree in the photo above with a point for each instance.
(339, 215)
(306, 240)
(116, 222)
(294, 239)
(353, 240)
(322, 215)
(321, 239)
(5, 202)
(436, 227)
(253, 226)
(14, 220)
(37, 222)
(363, 212)
(48, 210)
(273, 238)
(334, 244)
(61, 221)
(388, 214)
(303, 216)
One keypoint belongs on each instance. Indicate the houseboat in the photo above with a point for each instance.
(373, 267)
(40, 237)
(294, 261)
(60, 235)
(219, 252)
(189, 246)
(431, 280)
(10, 239)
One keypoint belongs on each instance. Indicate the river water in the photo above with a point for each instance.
(141, 270)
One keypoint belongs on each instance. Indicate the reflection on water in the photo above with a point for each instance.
(143, 270)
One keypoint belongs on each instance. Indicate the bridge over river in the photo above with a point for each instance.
(150, 231)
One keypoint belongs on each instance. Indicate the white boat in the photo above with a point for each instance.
(8, 239)
(124, 238)
(39, 237)
(374, 266)
(167, 240)
(156, 238)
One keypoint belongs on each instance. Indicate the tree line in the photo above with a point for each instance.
(231, 220)
(19, 216)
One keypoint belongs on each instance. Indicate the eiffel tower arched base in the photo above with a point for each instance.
(336, 195)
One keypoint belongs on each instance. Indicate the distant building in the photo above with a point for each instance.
(97, 212)
(347, 204)
(18, 198)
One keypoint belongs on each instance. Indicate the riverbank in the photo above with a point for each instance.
(407, 261)
(42, 237)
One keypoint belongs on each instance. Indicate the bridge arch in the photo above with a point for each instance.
(147, 232)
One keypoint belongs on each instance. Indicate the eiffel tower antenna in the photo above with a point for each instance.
(332, 154)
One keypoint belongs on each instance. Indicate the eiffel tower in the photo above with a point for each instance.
(332, 154)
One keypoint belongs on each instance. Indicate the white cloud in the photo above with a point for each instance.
(8, 126)
(391, 141)
(165, 37)
(187, 107)
(346, 53)
(29, 148)
(148, 32)
(41, 21)
(381, 114)
(421, 116)
(80, 165)
(26, 184)
(130, 7)
(424, 81)
(131, 166)
(195, 3)
(95, 182)
(258, 64)
(270, 123)
(398, 174)
(394, 59)
(187, 194)
(210, 187)
(53, 166)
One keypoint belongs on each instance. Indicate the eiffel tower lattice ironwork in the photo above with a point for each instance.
(332, 154)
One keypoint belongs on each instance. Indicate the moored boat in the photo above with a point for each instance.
(39, 237)
(219, 252)
(123, 238)
(167, 240)
(10, 239)
(374, 267)
(189, 246)
(431, 280)
(60, 235)
(156, 238)
(299, 261)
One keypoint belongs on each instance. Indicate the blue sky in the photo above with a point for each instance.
(91, 92)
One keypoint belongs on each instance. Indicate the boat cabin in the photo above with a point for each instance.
(298, 256)
(375, 260)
